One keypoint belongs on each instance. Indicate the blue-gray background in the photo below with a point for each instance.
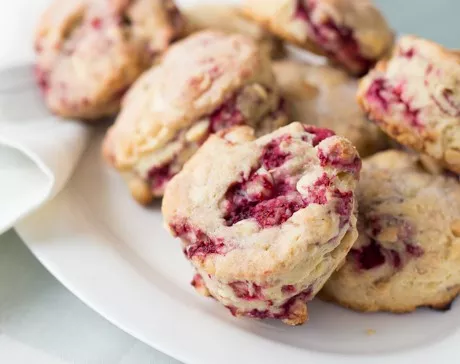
(438, 20)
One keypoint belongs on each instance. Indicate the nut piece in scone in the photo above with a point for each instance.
(90, 51)
(205, 83)
(351, 33)
(229, 19)
(265, 222)
(415, 98)
(408, 250)
(326, 97)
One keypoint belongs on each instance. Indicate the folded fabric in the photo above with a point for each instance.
(38, 151)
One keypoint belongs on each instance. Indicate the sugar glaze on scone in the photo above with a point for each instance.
(265, 222)
(415, 98)
(205, 83)
(408, 250)
(229, 19)
(326, 97)
(90, 51)
(352, 33)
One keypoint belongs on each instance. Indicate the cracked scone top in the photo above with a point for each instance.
(90, 51)
(351, 33)
(205, 83)
(229, 18)
(408, 250)
(326, 97)
(265, 222)
(415, 98)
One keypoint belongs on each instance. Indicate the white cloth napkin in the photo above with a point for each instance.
(38, 151)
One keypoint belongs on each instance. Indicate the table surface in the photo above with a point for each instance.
(42, 322)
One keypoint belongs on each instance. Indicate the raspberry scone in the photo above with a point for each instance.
(351, 33)
(265, 222)
(415, 98)
(326, 97)
(408, 250)
(230, 19)
(207, 82)
(90, 51)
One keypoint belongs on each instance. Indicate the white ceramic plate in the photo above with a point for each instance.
(117, 258)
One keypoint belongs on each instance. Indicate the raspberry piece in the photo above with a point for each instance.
(42, 79)
(247, 291)
(409, 53)
(369, 256)
(337, 41)
(278, 210)
(160, 176)
(226, 116)
(320, 133)
(383, 95)
(344, 205)
(382, 228)
(336, 156)
(414, 250)
(288, 289)
(199, 244)
(96, 23)
(273, 156)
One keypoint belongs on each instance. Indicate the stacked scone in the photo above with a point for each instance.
(208, 82)
(270, 214)
(265, 222)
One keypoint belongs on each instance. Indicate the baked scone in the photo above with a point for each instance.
(265, 222)
(206, 82)
(326, 97)
(408, 250)
(415, 98)
(351, 33)
(90, 51)
(229, 19)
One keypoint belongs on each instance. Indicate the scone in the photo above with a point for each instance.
(207, 82)
(90, 51)
(351, 33)
(415, 98)
(228, 18)
(408, 250)
(326, 97)
(265, 222)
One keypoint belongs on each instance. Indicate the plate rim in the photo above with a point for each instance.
(33, 231)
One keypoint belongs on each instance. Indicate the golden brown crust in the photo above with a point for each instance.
(442, 303)
(299, 314)
(413, 97)
(140, 191)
